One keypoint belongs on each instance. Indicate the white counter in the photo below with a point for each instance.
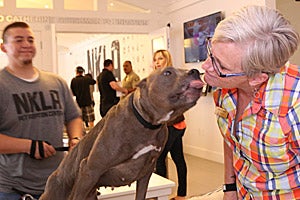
(159, 187)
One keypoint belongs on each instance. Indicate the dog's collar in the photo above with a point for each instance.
(141, 119)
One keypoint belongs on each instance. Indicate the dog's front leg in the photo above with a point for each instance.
(84, 187)
(142, 185)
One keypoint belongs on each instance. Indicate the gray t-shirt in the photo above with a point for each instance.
(34, 110)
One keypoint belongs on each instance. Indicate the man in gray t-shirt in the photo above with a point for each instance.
(34, 108)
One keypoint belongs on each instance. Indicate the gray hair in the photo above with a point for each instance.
(266, 37)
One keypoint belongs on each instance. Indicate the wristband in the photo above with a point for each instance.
(32, 148)
(229, 187)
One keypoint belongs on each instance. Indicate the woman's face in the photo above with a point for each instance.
(227, 58)
(159, 60)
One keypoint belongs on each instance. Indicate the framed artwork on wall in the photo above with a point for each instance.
(195, 33)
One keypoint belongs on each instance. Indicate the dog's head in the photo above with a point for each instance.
(168, 92)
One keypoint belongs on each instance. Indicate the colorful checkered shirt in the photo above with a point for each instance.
(266, 145)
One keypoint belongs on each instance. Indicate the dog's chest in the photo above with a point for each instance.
(147, 150)
(142, 162)
(150, 147)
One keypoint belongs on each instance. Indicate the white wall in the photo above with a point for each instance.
(132, 47)
(290, 9)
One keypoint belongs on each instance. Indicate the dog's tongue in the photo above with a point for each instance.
(198, 84)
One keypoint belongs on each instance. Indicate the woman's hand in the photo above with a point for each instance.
(232, 195)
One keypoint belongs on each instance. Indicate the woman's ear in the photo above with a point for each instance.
(258, 79)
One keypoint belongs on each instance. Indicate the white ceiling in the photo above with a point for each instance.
(156, 6)
(67, 40)
(153, 6)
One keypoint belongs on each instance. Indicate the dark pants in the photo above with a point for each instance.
(174, 146)
(14, 196)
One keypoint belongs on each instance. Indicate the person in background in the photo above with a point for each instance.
(92, 89)
(131, 79)
(35, 107)
(257, 103)
(176, 129)
(108, 86)
(80, 86)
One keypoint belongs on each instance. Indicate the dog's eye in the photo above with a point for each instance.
(167, 73)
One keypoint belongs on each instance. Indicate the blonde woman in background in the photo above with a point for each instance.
(176, 129)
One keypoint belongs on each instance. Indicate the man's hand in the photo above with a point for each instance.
(125, 92)
(73, 142)
(41, 149)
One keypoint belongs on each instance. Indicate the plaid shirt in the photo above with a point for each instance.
(266, 145)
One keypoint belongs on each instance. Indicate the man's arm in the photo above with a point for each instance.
(12, 145)
(134, 83)
(91, 81)
(114, 85)
(74, 131)
(131, 90)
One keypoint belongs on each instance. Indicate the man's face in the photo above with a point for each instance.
(127, 67)
(19, 45)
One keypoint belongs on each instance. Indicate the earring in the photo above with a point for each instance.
(255, 93)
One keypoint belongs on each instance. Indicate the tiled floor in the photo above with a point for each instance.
(203, 175)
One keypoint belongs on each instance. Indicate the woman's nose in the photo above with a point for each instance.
(207, 65)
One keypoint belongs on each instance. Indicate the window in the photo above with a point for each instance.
(41, 4)
(158, 43)
(80, 5)
(119, 6)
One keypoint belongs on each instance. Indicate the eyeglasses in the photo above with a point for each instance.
(215, 64)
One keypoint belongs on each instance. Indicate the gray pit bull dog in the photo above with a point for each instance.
(124, 146)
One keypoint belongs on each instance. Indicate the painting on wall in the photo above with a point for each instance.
(195, 33)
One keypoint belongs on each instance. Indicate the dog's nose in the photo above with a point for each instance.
(194, 72)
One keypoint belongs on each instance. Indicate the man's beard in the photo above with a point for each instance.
(27, 62)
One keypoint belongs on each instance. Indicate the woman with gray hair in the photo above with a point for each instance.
(257, 103)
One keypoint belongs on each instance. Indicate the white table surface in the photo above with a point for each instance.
(159, 187)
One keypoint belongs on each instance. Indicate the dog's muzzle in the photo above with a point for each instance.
(195, 73)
